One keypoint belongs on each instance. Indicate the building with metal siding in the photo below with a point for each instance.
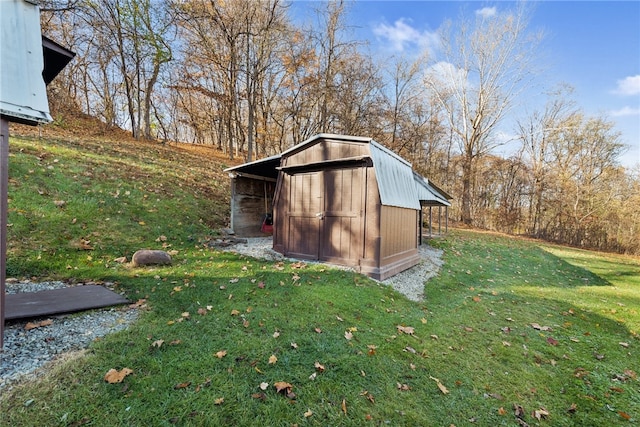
(340, 199)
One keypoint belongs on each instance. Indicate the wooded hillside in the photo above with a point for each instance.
(246, 79)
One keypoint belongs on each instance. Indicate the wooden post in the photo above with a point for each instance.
(4, 189)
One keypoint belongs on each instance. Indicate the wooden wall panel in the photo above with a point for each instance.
(397, 230)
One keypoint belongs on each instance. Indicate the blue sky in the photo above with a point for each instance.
(592, 45)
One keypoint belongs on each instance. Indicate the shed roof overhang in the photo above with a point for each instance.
(265, 169)
(56, 57)
(427, 194)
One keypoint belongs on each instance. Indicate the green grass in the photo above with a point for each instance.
(473, 332)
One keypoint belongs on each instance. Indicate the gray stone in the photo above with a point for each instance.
(150, 257)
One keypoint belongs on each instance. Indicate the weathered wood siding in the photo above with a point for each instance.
(248, 205)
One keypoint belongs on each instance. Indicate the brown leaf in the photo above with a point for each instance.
(573, 408)
(344, 406)
(518, 411)
(616, 389)
(33, 325)
(403, 387)
(540, 328)
(260, 396)
(441, 386)
(540, 414)
(283, 387)
(234, 312)
(220, 354)
(157, 343)
(182, 385)
(624, 344)
(318, 330)
(319, 366)
(348, 335)
(502, 411)
(308, 413)
(114, 376)
(202, 311)
(552, 341)
(272, 359)
(371, 349)
(405, 329)
(218, 401)
(476, 298)
(624, 415)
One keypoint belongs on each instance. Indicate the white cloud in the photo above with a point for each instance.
(446, 74)
(401, 35)
(629, 86)
(487, 12)
(625, 112)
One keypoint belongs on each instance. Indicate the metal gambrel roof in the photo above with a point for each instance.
(398, 184)
(395, 178)
(427, 194)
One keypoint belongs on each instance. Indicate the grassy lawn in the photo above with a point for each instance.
(511, 331)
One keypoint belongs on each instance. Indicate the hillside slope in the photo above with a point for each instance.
(106, 194)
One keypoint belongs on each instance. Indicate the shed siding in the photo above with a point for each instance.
(326, 150)
(398, 231)
(248, 205)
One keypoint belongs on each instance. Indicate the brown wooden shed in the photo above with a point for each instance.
(341, 199)
(347, 200)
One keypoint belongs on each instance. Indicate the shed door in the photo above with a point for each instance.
(304, 215)
(341, 229)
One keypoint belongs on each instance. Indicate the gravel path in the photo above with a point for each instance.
(25, 351)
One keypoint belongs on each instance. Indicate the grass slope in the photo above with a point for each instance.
(510, 332)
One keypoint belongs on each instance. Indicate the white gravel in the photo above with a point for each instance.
(409, 282)
(25, 351)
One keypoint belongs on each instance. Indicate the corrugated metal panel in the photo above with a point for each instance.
(428, 194)
(23, 94)
(395, 178)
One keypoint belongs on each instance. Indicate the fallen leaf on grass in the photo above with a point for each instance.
(157, 343)
(235, 312)
(573, 408)
(220, 354)
(624, 344)
(502, 411)
(624, 415)
(273, 359)
(552, 341)
(541, 328)
(344, 406)
(441, 386)
(540, 414)
(405, 329)
(202, 311)
(319, 366)
(260, 396)
(294, 345)
(403, 387)
(182, 385)
(476, 299)
(348, 335)
(368, 396)
(371, 349)
(219, 401)
(308, 413)
(284, 388)
(276, 334)
(33, 325)
(114, 376)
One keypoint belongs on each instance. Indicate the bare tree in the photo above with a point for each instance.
(486, 65)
